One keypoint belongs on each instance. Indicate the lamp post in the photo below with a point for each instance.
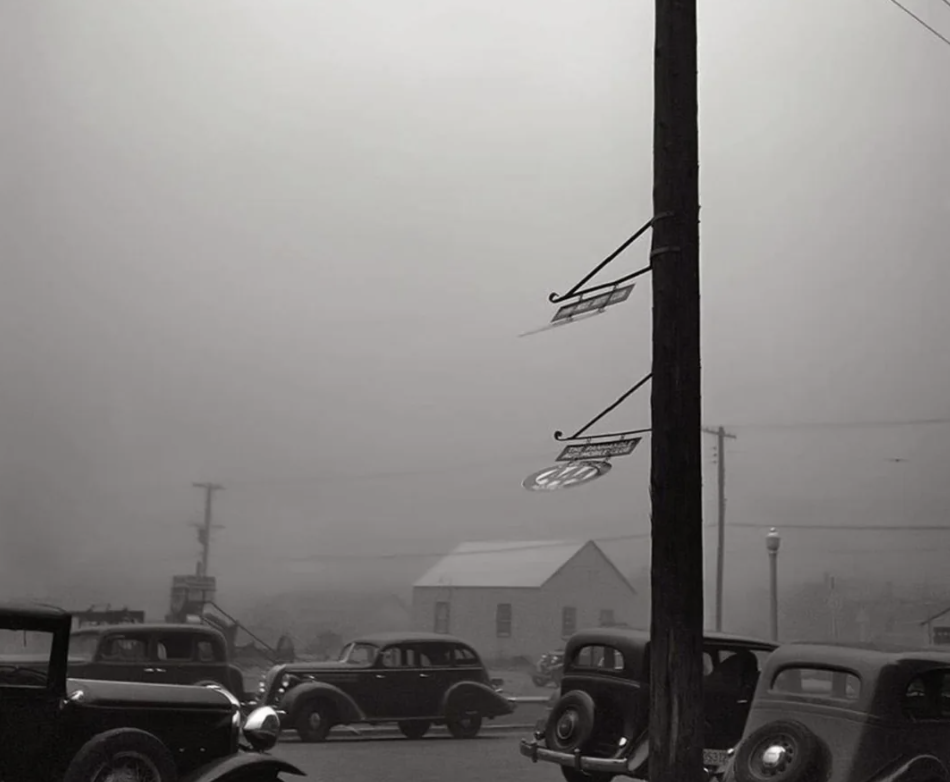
(772, 541)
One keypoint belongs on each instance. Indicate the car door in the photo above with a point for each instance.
(436, 674)
(731, 675)
(172, 652)
(207, 662)
(30, 707)
(122, 656)
(396, 679)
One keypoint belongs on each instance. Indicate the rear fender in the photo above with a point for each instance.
(475, 696)
(347, 709)
(244, 765)
(235, 682)
(922, 768)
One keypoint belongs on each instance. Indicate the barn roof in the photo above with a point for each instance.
(522, 563)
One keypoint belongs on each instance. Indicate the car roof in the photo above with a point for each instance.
(869, 661)
(27, 610)
(148, 628)
(642, 637)
(396, 637)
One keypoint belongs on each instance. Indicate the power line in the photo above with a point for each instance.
(922, 22)
(868, 424)
(440, 554)
(847, 527)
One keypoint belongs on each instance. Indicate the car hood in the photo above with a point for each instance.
(103, 693)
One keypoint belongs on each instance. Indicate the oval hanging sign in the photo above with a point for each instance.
(564, 476)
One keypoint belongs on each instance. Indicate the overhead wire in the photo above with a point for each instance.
(921, 22)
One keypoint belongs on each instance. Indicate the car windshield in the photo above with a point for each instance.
(358, 654)
(24, 657)
(82, 646)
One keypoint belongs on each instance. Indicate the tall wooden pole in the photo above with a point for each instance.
(676, 669)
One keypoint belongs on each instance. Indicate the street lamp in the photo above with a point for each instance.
(772, 541)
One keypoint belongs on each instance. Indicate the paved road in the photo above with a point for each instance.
(492, 757)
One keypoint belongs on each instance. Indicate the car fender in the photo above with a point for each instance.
(241, 766)
(921, 768)
(347, 709)
(478, 696)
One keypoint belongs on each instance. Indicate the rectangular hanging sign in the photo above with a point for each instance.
(594, 451)
(593, 304)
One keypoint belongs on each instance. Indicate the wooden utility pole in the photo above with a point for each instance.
(676, 666)
(204, 531)
(721, 435)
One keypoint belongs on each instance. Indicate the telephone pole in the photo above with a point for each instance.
(204, 531)
(721, 436)
(676, 476)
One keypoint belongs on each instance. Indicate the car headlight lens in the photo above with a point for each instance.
(262, 728)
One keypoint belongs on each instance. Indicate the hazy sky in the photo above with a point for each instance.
(290, 245)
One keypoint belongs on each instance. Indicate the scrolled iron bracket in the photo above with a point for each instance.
(579, 434)
(555, 298)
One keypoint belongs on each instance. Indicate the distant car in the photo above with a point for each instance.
(548, 669)
(416, 680)
(55, 729)
(847, 714)
(598, 726)
(154, 654)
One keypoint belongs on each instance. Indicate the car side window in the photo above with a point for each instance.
(435, 656)
(465, 658)
(174, 646)
(123, 649)
(928, 696)
(599, 657)
(208, 651)
(734, 670)
(399, 657)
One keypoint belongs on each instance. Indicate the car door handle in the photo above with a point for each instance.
(154, 670)
(380, 675)
(424, 676)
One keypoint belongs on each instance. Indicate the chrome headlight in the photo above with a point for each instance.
(262, 728)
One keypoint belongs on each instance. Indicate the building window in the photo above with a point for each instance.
(441, 617)
(607, 617)
(568, 621)
(503, 620)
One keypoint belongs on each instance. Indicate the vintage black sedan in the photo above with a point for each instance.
(840, 713)
(413, 679)
(75, 730)
(598, 725)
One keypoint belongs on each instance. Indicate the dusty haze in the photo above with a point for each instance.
(289, 246)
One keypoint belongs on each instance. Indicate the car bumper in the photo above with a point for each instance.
(530, 748)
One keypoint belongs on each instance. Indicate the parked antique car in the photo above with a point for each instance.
(838, 713)
(416, 680)
(72, 730)
(156, 654)
(548, 669)
(598, 726)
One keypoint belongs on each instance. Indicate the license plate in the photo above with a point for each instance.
(714, 758)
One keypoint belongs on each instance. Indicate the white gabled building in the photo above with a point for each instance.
(520, 599)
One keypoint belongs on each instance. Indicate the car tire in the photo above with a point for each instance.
(571, 723)
(573, 775)
(802, 748)
(464, 725)
(315, 720)
(415, 729)
(123, 748)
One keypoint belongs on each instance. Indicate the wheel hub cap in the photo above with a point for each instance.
(773, 757)
(566, 725)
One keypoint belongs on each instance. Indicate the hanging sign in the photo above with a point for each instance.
(586, 452)
(564, 476)
(593, 304)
